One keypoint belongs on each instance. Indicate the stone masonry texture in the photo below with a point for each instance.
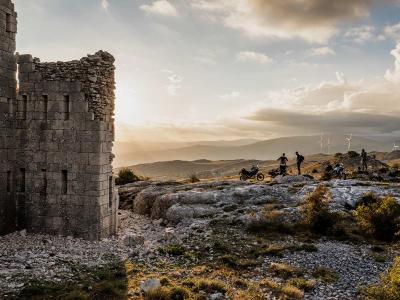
(57, 133)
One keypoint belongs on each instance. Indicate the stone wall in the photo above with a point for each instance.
(56, 139)
(8, 85)
(65, 133)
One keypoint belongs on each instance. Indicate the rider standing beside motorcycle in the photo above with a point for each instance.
(364, 156)
(282, 167)
(299, 161)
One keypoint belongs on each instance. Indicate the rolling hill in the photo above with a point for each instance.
(261, 150)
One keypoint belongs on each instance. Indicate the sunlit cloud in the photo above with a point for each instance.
(160, 7)
(393, 31)
(255, 57)
(310, 20)
(174, 82)
(321, 51)
(364, 34)
(394, 76)
(231, 95)
(362, 107)
(105, 4)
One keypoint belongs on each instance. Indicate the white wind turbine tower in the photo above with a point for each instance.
(395, 147)
(321, 142)
(328, 144)
(349, 141)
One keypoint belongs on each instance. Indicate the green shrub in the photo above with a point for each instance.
(178, 293)
(193, 179)
(126, 176)
(353, 154)
(326, 176)
(338, 155)
(209, 286)
(173, 249)
(229, 260)
(368, 199)
(379, 217)
(389, 286)
(316, 214)
(302, 283)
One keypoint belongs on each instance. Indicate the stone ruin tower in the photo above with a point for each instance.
(56, 139)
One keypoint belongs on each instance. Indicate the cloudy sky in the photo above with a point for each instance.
(227, 69)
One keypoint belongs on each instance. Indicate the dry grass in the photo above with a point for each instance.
(284, 270)
(292, 292)
(325, 274)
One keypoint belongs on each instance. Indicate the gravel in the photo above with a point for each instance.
(353, 263)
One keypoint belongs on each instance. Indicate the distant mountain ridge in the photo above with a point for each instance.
(206, 169)
(260, 150)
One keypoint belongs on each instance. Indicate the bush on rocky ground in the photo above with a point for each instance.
(379, 217)
(193, 179)
(325, 274)
(352, 154)
(126, 176)
(389, 286)
(167, 293)
(316, 214)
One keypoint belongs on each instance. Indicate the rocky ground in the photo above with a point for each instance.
(187, 235)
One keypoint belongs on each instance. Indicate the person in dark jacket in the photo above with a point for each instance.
(299, 161)
(282, 164)
(364, 165)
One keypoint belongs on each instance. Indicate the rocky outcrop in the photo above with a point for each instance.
(175, 203)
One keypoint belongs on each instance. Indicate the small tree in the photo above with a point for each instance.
(193, 179)
(353, 154)
(316, 214)
(389, 286)
(338, 155)
(125, 176)
(379, 217)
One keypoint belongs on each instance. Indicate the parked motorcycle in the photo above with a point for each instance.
(254, 173)
(339, 172)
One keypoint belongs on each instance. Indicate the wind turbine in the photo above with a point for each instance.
(321, 142)
(349, 141)
(395, 147)
(328, 144)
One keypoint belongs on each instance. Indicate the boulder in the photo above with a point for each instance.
(178, 212)
(291, 179)
(150, 285)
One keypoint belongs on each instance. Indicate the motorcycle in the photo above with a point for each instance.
(254, 173)
(339, 172)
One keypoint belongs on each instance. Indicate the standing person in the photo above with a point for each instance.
(299, 161)
(282, 167)
(364, 165)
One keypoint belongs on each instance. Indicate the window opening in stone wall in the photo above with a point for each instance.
(64, 179)
(8, 23)
(24, 106)
(66, 107)
(45, 100)
(8, 181)
(110, 191)
(10, 106)
(43, 189)
(22, 180)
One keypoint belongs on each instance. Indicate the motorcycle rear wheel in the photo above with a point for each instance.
(243, 178)
(260, 177)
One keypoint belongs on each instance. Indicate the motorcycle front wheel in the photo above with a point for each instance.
(260, 177)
